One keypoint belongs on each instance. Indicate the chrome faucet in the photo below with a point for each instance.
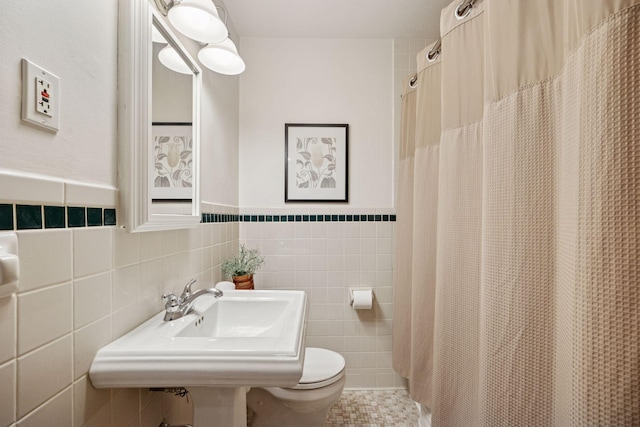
(176, 307)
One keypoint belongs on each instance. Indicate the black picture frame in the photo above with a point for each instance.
(316, 167)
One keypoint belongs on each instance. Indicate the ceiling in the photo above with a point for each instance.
(373, 19)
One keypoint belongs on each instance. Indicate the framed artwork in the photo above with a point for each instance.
(316, 165)
(173, 161)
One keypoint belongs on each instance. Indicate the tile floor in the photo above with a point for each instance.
(373, 408)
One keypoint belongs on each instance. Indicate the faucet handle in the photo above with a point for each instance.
(187, 290)
(171, 302)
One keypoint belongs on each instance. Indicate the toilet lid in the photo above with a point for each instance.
(320, 366)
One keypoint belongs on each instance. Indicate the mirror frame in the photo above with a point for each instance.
(135, 50)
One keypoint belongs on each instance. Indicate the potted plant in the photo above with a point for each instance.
(242, 267)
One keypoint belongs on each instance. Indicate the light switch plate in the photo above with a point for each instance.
(40, 96)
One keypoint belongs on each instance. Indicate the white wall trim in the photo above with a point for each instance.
(27, 187)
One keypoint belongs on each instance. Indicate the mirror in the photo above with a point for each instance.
(158, 123)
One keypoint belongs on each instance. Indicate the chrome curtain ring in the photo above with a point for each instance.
(434, 52)
(464, 9)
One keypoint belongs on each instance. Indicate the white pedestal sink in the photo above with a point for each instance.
(243, 339)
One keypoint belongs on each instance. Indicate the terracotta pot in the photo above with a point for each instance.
(243, 282)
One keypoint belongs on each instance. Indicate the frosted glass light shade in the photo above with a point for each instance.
(173, 61)
(222, 58)
(198, 20)
(156, 37)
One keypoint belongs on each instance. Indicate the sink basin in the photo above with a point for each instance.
(240, 318)
(244, 338)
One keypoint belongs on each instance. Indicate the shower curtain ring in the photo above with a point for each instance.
(434, 51)
(464, 9)
(414, 81)
(433, 54)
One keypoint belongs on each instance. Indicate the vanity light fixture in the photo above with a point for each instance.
(199, 20)
(222, 58)
(156, 36)
(170, 58)
(196, 19)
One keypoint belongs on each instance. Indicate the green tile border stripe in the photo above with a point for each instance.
(18, 216)
(219, 218)
(58, 217)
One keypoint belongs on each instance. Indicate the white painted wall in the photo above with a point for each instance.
(316, 81)
(219, 137)
(77, 41)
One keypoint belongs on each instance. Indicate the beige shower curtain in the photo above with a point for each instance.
(404, 234)
(537, 300)
(417, 212)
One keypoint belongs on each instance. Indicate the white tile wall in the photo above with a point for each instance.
(45, 258)
(55, 412)
(43, 315)
(126, 248)
(80, 289)
(7, 393)
(88, 400)
(86, 342)
(325, 259)
(91, 251)
(43, 373)
(8, 321)
(91, 298)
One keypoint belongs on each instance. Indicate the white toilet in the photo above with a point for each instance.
(307, 403)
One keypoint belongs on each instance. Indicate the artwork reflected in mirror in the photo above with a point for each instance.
(173, 161)
(172, 131)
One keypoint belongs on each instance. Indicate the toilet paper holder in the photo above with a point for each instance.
(361, 298)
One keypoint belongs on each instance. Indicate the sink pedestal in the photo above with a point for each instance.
(219, 406)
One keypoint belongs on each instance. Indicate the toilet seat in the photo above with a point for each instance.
(320, 368)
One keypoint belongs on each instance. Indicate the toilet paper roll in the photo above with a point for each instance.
(362, 299)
